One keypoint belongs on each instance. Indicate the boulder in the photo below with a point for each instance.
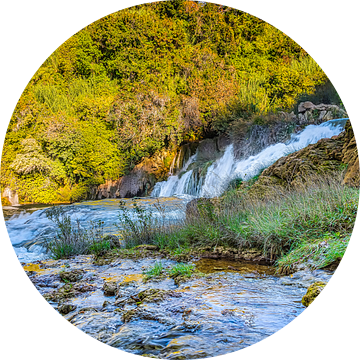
(312, 292)
(308, 113)
(66, 308)
(304, 106)
(71, 276)
(110, 288)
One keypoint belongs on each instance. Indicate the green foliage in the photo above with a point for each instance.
(154, 271)
(30, 159)
(140, 80)
(72, 239)
(315, 253)
(181, 270)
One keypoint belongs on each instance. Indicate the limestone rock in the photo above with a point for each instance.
(66, 308)
(110, 288)
(317, 114)
(147, 247)
(350, 157)
(304, 106)
(72, 276)
(312, 292)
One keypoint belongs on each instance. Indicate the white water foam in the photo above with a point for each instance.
(175, 185)
(227, 168)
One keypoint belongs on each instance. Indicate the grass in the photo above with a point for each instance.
(181, 269)
(316, 254)
(154, 271)
(157, 270)
(310, 224)
(72, 239)
(287, 226)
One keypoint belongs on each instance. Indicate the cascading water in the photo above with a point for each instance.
(28, 231)
(174, 184)
(227, 168)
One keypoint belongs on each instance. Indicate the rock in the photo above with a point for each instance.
(310, 113)
(153, 295)
(110, 288)
(72, 276)
(350, 157)
(304, 106)
(9, 197)
(312, 292)
(66, 308)
(147, 247)
(324, 157)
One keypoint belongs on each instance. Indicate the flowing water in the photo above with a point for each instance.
(228, 168)
(29, 227)
(217, 313)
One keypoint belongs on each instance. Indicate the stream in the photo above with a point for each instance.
(219, 312)
(231, 306)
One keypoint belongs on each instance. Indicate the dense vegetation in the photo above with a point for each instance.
(310, 225)
(140, 80)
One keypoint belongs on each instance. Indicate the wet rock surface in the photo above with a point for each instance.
(312, 292)
(224, 307)
(324, 157)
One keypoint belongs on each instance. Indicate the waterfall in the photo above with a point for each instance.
(227, 168)
(174, 184)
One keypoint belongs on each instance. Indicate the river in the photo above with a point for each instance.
(229, 307)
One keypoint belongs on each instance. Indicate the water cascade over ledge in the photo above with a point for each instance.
(227, 168)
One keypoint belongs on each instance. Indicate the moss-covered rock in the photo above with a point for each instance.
(110, 288)
(66, 308)
(71, 276)
(147, 247)
(312, 292)
(153, 295)
(350, 157)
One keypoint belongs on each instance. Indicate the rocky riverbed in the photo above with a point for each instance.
(223, 307)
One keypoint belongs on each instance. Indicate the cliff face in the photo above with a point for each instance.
(138, 182)
(326, 156)
(141, 180)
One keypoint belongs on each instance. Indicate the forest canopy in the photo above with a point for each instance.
(141, 80)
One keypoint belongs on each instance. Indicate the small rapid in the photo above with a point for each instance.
(28, 231)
